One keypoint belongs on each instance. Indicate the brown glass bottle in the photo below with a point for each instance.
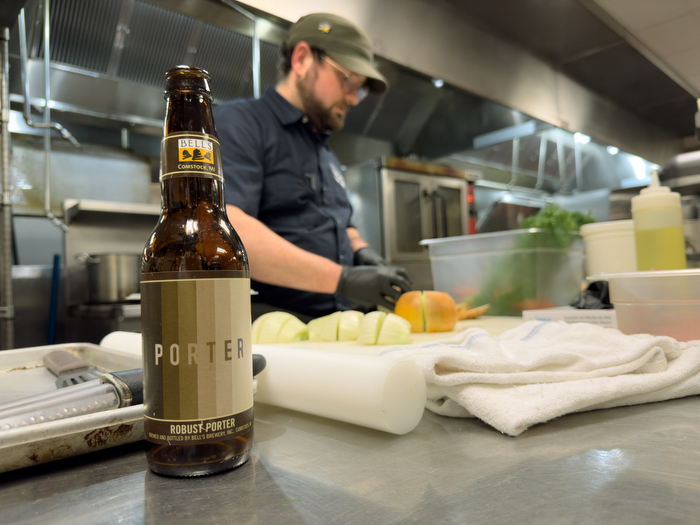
(195, 301)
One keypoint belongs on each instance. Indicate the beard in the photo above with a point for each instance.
(322, 118)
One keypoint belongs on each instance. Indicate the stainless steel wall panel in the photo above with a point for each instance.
(228, 57)
(158, 40)
(91, 46)
(396, 106)
(269, 59)
(94, 172)
(31, 286)
(357, 120)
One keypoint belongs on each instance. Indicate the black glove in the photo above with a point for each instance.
(373, 285)
(367, 256)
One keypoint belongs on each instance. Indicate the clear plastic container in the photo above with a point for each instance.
(658, 303)
(513, 270)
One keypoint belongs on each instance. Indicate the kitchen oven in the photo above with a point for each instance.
(397, 203)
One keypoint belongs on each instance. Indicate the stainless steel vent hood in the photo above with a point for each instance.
(109, 57)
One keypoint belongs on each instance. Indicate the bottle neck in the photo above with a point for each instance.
(191, 112)
(179, 193)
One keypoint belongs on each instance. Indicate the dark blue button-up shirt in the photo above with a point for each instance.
(280, 171)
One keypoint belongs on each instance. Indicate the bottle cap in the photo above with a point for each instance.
(655, 195)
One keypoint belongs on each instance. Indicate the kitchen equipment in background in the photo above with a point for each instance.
(657, 302)
(609, 247)
(101, 295)
(691, 232)
(112, 277)
(102, 227)
(681, 173)
(508, 211)
(690, 207)
(91, 322)
(512, 271)
(397, 203)
(621, 203)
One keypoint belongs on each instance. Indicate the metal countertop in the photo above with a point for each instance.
(636, 465)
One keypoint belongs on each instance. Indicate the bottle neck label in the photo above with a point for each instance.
(190, 154)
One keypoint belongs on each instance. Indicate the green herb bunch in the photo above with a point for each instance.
(558, 222)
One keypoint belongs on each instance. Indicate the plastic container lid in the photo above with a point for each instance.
(656, 196)
(522, 239)
(673, 286)
(607, 227)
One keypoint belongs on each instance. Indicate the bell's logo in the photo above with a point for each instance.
(195, 150)
(324, 27)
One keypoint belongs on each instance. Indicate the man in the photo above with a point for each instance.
(285, 191)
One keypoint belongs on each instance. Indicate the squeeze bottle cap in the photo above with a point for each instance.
(656, 196)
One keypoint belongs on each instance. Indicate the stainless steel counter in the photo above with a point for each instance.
(637, 465)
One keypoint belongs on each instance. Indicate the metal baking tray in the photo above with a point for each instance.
(23, 374)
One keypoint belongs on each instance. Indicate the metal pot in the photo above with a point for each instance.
(112, 277)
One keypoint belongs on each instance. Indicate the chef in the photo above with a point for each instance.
(285, 189)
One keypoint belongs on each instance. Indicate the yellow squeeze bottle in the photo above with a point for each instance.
(658, 228)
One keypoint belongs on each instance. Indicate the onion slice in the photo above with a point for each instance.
(293, 330)
(349, 325)
(395, 330)
(369, 327)
(324, 328)
(277, 327)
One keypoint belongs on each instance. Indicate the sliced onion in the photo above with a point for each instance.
(255, 328)
(369, 327)
(277, 327)
(395, 330)
(271, 325)
(349, 325)
(324, 328)
(293, 330)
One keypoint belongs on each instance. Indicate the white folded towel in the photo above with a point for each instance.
(542, 370)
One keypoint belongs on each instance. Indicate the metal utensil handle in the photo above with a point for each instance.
(62, 404)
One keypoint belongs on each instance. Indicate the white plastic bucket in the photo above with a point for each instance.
(609, 247)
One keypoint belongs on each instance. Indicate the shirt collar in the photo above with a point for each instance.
(281, 107)
(287, 114)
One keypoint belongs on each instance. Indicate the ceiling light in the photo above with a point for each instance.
(613, 150)
(639, 166)
(581, 138)
(438, 82)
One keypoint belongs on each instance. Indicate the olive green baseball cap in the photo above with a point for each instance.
(341, 40)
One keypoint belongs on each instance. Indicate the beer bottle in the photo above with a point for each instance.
(195, 301)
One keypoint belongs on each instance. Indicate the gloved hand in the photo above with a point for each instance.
(373, 285)
(367, 256)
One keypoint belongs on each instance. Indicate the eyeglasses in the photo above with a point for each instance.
(351, 81)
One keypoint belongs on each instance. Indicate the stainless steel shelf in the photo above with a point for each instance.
(82, 210)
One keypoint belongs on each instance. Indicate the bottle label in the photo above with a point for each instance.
(197, 361)
(190, 154)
